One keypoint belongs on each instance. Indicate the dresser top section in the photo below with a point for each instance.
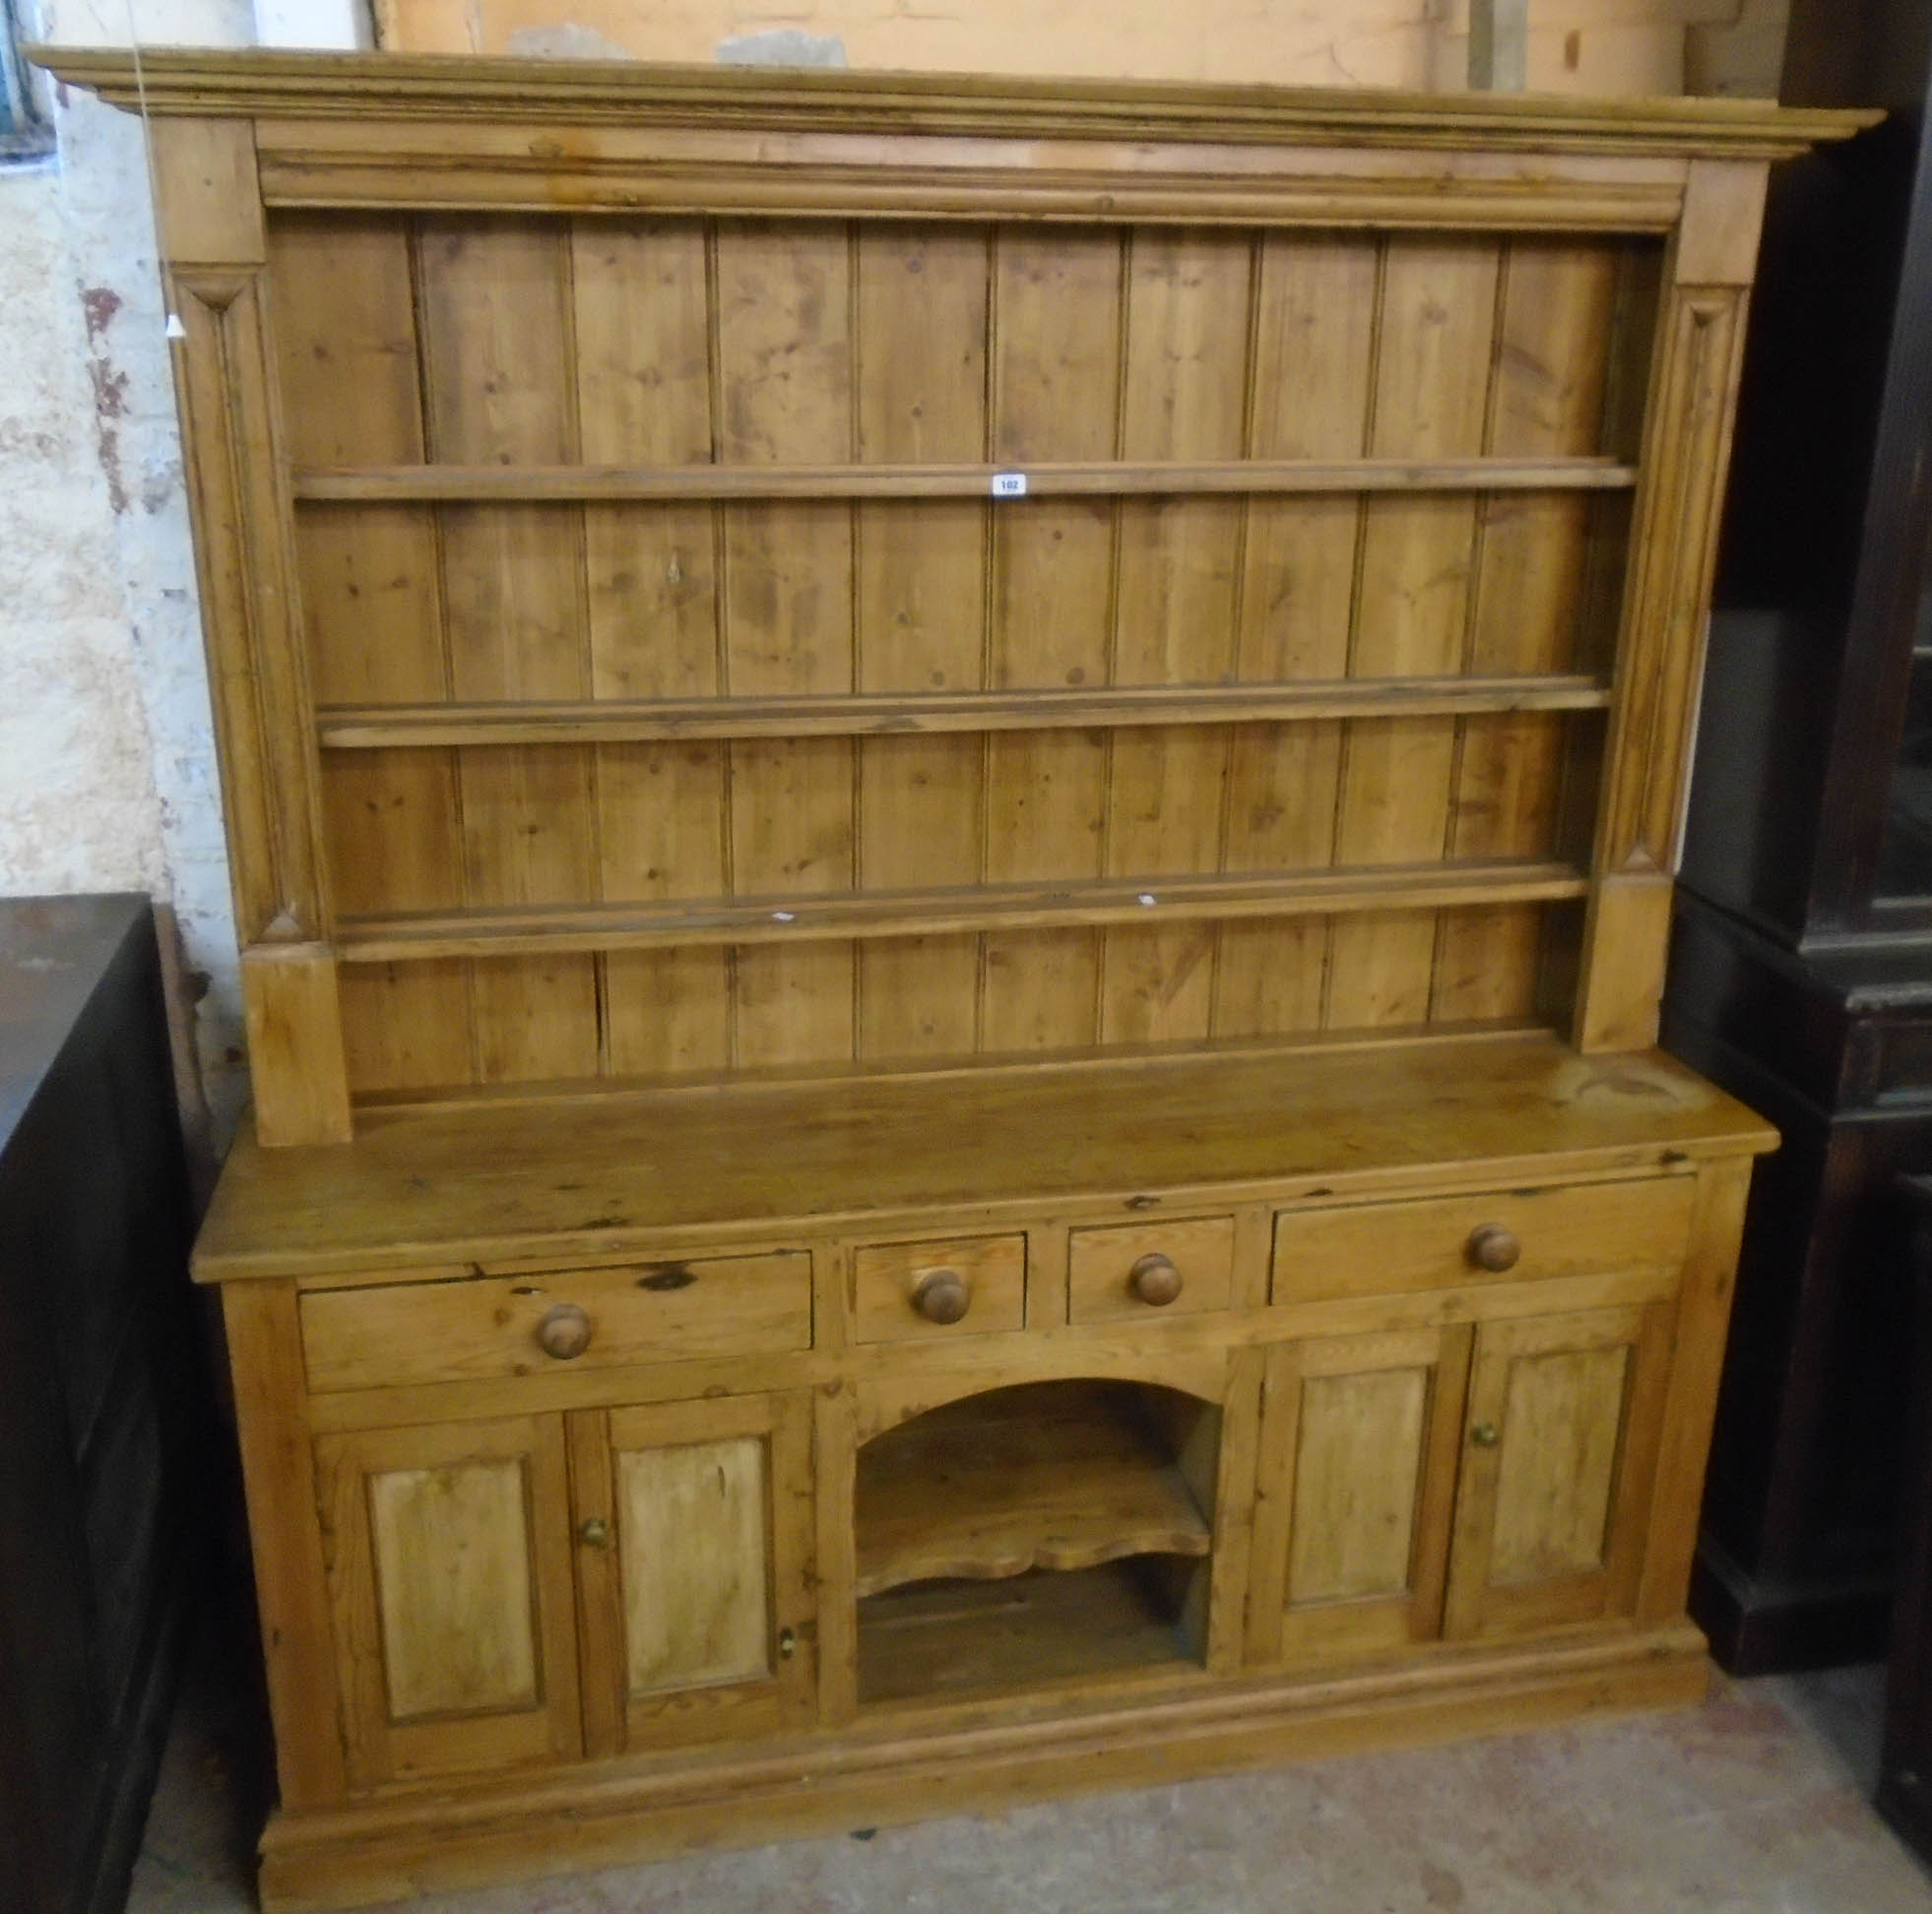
(53, 953)
(606, 1176)
(208, 83)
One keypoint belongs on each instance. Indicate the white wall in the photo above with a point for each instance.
(106, 765)
(107, 777)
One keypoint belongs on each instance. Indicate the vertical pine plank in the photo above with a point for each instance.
(1558, 304)
(1552, 370)
(497, 352)
(371, 603)
(783, 352)
(1314, 348)
(1432, 387)
(643, 375)
(1185, 396)
(1280, 816)
(1314, 328)
(1433, 366)
(1055, 379)
(922, 328)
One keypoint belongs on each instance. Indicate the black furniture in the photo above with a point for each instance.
(1905, 1789)
(102, 1390)
(1801, 968)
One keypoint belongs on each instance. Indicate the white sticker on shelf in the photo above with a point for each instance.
(1010, 485)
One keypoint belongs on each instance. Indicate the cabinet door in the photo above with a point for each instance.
(694, 1570)
(1354, 1489)
(1560, 1451)
(448, 1553)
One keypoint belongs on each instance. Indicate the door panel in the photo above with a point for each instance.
(1355, 1486)
(452, 1555)
(449, 1584)
(1559, 1449)
(694, 1570)
(1566, 1414)
(695, 1562)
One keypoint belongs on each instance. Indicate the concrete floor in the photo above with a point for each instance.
(1756, 1804)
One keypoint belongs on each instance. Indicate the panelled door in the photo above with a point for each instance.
(448, 1552)
(693, 1539)
(1560, 1451)
(1359, 1445)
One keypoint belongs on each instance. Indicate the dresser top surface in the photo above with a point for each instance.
(593, 1176)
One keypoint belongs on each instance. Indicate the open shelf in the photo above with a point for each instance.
(1110, 477)
(533, 929)
(609, 720)
(939, 1640)
(1045, 1475)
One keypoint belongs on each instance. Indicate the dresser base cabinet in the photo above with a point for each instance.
(1324, 1400)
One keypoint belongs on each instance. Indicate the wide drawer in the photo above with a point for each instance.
(1140, 1271)
(951, 1286)
(577, 1318)
(1497, 1235)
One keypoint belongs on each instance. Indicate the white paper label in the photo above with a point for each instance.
(1010, 485)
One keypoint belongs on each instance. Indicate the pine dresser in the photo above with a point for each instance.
(952, 809)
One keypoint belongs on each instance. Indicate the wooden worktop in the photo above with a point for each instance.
(590, 1176)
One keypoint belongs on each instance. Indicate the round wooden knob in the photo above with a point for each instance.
(564, 1332)
(1155, 1280)
(941, 1295)
(1493, 1248)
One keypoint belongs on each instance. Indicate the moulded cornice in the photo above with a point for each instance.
(256, 84)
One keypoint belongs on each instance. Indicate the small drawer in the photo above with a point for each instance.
(959, 1285)
(574, 1318)
(1149, 1270)
(1387, 1248)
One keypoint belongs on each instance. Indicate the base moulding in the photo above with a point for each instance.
(630, 1810)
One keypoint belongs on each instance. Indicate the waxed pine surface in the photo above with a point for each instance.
(443, 1181)
(688, 348)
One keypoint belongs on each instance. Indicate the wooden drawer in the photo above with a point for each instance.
(489, 1327)
(1386, 1248)
(1102, 1281)
(897, 1284)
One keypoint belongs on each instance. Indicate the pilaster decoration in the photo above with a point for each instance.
(209, 210)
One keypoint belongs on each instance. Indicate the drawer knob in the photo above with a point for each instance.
(1155, 1280)
(941, 1295)
(788, 1644)
(1485, 1436)
(596, 1533)
(1493, 1248)
(564, 1332)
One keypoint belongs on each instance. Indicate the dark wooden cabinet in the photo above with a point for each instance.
(100, 1394)
(1801, 966)
(1904, 1788)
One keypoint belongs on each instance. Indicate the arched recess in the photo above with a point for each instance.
(1035, 1531)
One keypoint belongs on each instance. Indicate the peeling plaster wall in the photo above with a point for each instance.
(107, 775)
